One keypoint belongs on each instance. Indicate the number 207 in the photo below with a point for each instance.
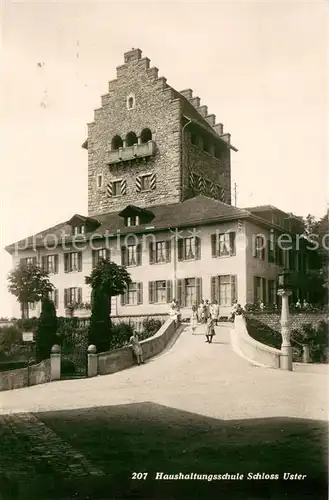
(139, 475)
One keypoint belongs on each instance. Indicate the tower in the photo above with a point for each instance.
(151, 145)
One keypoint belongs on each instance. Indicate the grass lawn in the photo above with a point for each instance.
(146, 437)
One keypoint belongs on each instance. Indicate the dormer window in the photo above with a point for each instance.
(79, 230)
(132, 221)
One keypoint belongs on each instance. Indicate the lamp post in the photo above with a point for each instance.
(284, 292)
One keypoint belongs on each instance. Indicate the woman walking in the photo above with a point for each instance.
(137, 348)
(210, 329)
(194, 318)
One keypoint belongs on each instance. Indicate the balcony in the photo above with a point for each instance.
(131, 152)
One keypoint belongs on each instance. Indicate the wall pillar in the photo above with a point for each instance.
(55, 363)
(92, 361)
(286, 348)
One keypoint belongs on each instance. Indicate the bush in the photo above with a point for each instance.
(46, 332)
(27, 325)
(9, 336)
(150, 327)
(120, 335)
(316, 338)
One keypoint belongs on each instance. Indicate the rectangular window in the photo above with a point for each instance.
(189, 248)
(131, 255)
(100, 254)
(160, 252)
(72, 296)
(189, 291)
(259, 244)
(223, 245)
(133, 295)
(160, 292)
(271, 251)
(132, 221)
(146, 182)
(116, 188)
(271, 292)
(224, 289)
(257, 289)
(28, 261)
(73, 262)
(50, 263)
(79, 230)
(99, 181)
(53, 295)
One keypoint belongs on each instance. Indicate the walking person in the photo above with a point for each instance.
(214, 311)
(210, 329)
(194, 318)
(137, 348)
(206, 311)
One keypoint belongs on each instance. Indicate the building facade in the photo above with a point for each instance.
(159, 203)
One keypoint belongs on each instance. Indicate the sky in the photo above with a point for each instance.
(261, 67)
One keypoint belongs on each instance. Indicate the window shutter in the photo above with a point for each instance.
(66, 263)
(22, 262)
(213, 280)
(168, 251)
(255, 290)
(43, 263)
(80, 261)
(56, 298)
(93, 258)
(124, 256)
(234, 295)
(232, 243)
(34, 261)
(264, 298)
(213, 245)
(181, 293)
(151, 253)
(79, 295)
(180, 247)
(140, 293)
(254, 246)
(139, 254)
(153, 181)
(123, 186)
(123, 299)
(66, 296)
(198, 283)
(108, 254)
(169, 291)
(56, 264)
(264, 250)
(151, 292)
(197, 248)
(138, 183)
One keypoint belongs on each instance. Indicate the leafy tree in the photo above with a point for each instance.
(47, 329)
(29, 283)
(107, 280)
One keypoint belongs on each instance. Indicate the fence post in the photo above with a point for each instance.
(55, 363)
(92, 361)
(306, 353)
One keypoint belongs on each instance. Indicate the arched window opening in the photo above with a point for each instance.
(146, 135)
(116, 142)
(131, 139)
(130, 102)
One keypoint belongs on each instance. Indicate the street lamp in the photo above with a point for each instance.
(284, 291)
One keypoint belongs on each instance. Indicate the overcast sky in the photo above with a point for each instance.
(261, 67)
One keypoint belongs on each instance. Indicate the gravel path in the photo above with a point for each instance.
(194, 376)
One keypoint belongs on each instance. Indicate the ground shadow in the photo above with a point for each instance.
(151, 438)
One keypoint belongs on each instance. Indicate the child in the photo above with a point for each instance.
(194, 318)
(210, 329)
(137, 348)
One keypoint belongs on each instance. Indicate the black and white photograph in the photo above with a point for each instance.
(164, 250)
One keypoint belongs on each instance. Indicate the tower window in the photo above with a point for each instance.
(130, 102)
(99, 181)
(116, 142)
(146, 135)
(194, 139)
(131, 139)
(132, 221)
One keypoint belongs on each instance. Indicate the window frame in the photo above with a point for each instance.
(68, 262)
(226, 239)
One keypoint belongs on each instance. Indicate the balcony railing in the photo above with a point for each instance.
(131, 152)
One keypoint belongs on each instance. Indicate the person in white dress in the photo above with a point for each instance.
(137, 348)
(214, 311)
(194, 318)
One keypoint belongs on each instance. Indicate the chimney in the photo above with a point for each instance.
(195, 101)
(132, 55)
(203, 110)
(219, 128)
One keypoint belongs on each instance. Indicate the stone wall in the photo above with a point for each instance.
(297, 320)
(24, 377)
(119, 359)
(157, 109)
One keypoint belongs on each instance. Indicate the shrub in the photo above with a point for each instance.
(316, 337)
(120, 335)
(9, 337)
(46, 332)
(151, 326)
(27, 325)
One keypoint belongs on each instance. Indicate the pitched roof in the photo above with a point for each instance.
(199, 210)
